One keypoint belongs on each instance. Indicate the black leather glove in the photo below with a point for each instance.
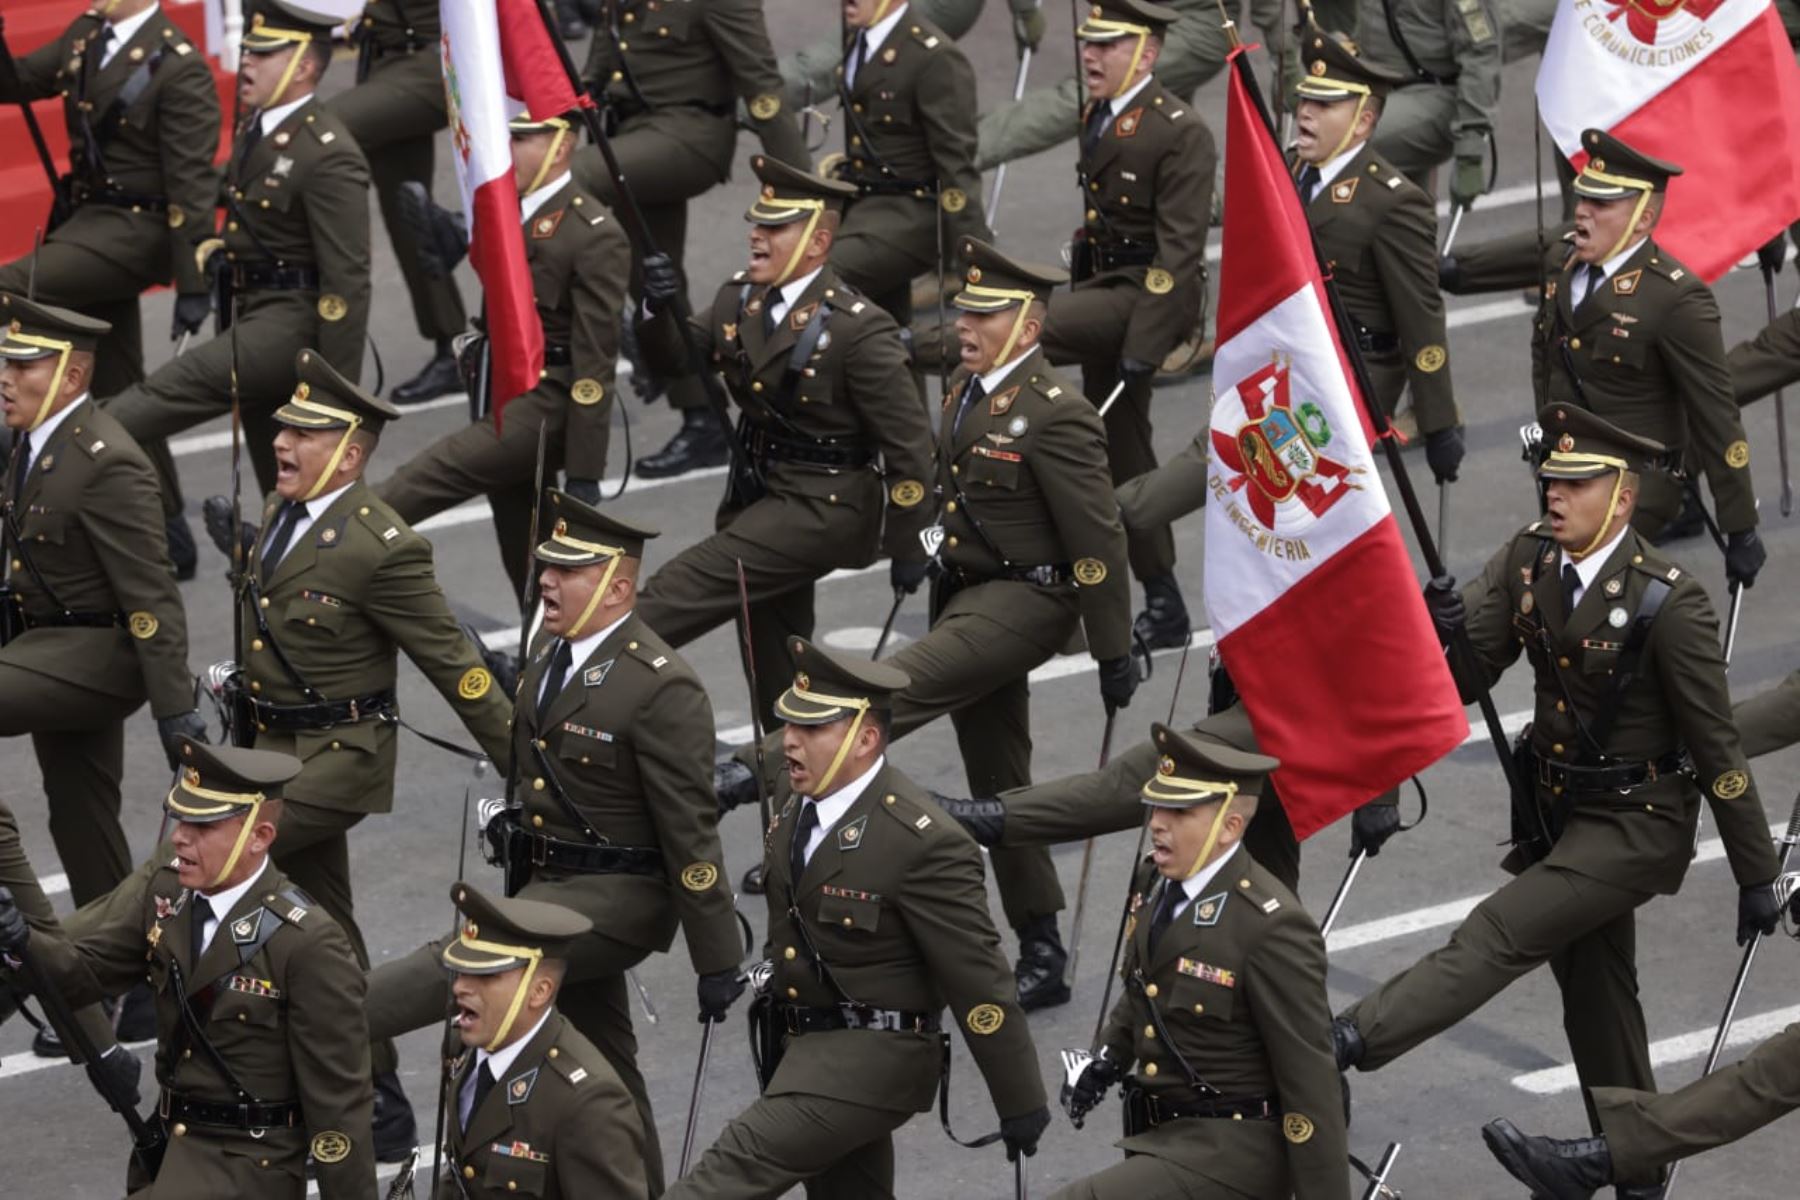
(1744, 557)
(1096, 1079)
(907, 576)
(14, 932)
(1021, 1133)
(984, 817)
(1445, 603)
(500, 664)
(718, 991)
(442, 237)
(662, 282)
(1118, 679)
(1758, 914)
(1449, 274)
(734, 785)
(191, 311)
(1772, 253)
(172, 729)
(215, 514)
(1371, 826)
(585, 490)
(1444, 453)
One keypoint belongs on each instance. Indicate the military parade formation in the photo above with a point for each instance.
(883, 383)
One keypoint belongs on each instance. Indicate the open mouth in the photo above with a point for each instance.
(286, 469)
(465, 1018)
(552, 607)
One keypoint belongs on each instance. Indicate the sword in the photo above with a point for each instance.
(1112, 398)
(1781, 450)
(1731, 621)
(1018, 93)
(643, 995)
(1019, 1190)
(1455, 224)
(1343, 892)
(1378, 1187)
(693, 1117)
(1087, 856)
(1443, 529)
(887, 626)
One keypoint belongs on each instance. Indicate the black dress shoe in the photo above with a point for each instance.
(136, 1021)
(439, 377)
(1557, 1168)
(1041, 966)
(698, 443)
(1346, 1043)
(47, 1045)
(184, 555)
(1164, 622)
(752, 882)
(396, 1133)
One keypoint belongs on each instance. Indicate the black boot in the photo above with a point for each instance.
(47, 1045)
(1649, 1191)
(1558, 1168)
(1164, 622)
(396, 1133)
(439, 377)
(1346, 1043)
(698, 443)
(1041, 966)
(136, 1021)
(1689, 522)
(184, 555)
(752, 882)
(983, 817)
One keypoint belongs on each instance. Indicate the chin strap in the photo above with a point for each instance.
(327, 416)
(1640, 186)
(62, 351)
(556, 140)
(1612, 506)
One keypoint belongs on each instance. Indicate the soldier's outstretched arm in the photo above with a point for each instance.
(1768, 361)
(1693, 350)
(328, 1045)
(1501, 264)
(1770, 721)
(101, 948)
(36, 72)
(1080, 806)
(659, 337)
(742, 35)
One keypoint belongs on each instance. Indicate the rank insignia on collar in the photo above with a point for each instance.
(164, 906)
(999, 402)
(1137, 901)
(1208, 908)
(800, 316)
(1344, 192)
(518, 1088)
(595, 676)
(283, 165)
(1627, 283)
(1614, 586)
(851, 835)
(889, 55)
(729, 329)
(1127, 124)
(243, 930)
(1206, 971)
(327, 536)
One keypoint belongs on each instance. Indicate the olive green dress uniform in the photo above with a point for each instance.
(669, 75)
(626, 747)
(86, 558)
(145, 191)
(844, 447)
(1450, 50)
(1147, 184)
(580, 259)
(351, 591)
(1620, 842)
(1770, 721)
(296, 243)
(558, 1123)
(885, 929)
(810, 72)
(277, 992)
(909, 146)
(1768, 361)
(394, 113)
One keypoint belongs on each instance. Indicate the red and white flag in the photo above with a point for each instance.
(499, 61)
(1708, 84)
(1309, 589)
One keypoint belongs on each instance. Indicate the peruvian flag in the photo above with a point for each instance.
(499, 61)
(1308, 585)
(1708, 84)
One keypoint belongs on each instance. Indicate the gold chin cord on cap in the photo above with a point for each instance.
(860, 704)
(300, 399)
(1164, 788)
(556, 140)
(1127, 28)
(1362, 102)
(300, 41)
(254, 799)
(62, 350)
(814, 209)
(1641, 186)
(1618, 467)
(1611, 511)
(1012, 296)
(881, 10)
(606, 578)
(532, 956)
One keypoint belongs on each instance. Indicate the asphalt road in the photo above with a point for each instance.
(1506, 1059)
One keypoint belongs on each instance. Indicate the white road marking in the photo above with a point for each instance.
(1746, 1030)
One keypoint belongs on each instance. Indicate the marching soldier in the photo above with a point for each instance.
(262, 1047)
(830, 422)
(1445, 56)
(811, 72)
(669, 77)
(877, 921)
(1627, 331)
(562, 1123)
(1641, 1132)
(335, 585)
(908, 95)
(143, 123)
(296, 249)
(611, 812)
(1146, 170)
(93, 623)
(579, 259)
(1631, 724)
(1235, 1089)
(394, 113)
(1379, 233)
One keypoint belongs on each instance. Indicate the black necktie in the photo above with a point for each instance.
(971, 396)
(561, 659)
(1095, 125)
(803, 831)
(1571, 583)
(1165, 912)
(859, 54)
(1591, 276)
(21, 465)
(770, 299)
(283, 533)
(200, 913)
(484, 1083)
(1309, 183)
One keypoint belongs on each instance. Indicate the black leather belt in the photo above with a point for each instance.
(580, 858)
(767, 446)
(1622, 777)
(798, 1018)
(1375, 341)
(85, 620)
(876, 185)
(1151, 1111)
(113, 198)
(246, 277)
(325, 714)
(1048, 575)
(175, 1107)
(1111, 255)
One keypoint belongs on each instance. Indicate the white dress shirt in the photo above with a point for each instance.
(312, 510)
(222, 903)
(40, 437)
(1583, 282)
(789, 292)
(1331, 168)
(579, 652)
(499, 1063)
(529, 205)
(872, 38)
(1589, 567)
(833, 807)
(123, 31)
(273, 117)
(1191, 888)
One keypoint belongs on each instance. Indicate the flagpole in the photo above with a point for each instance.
(1461, 647)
